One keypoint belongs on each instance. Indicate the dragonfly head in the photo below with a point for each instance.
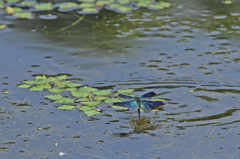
(137, 99)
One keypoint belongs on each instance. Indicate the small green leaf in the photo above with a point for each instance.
(123, 1)
(62, 84)
(12, 1)
(102, 92)
(51, 79)
(66, 107)
(91, 112)
(191, 91)
(2, 26)
(99, 98)
(28, 3)
(71, 89)
(91, 103)
(74, 85)
(89, 10)
(23, 15)
(44, 77)
(87, 89)
(157, 99)
(38, 78)
(84, 5)
(124, 9)
(86, 108)
(82, 100)
(79, 94)
(40, 82)
(118, 107)
(125, 91)
(113, 100)
(102, 2)
(45, 86)
(68, 5)
(62, 77)
(56, 90)
(54, 97)
(23, 86)
(29, 82)
(64, 100)
(43, 6)
(36, 89)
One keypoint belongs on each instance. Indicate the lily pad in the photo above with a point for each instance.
(157, 99)
(23, 86)
(23, 15)
(86, 108)
(3, 26)
(123, 1)
(91, 103)
(2, 6)
(160, 5)
(113, 100)
(29, 82)
(45, 86)
(102, 3)
(82, 100)
(102, 92)
(64, 100)
(54, 97)
(118, 107)
(66, 107)
(124, 9)
(62, 84)
(28, 3)
(37, 78)
(89, 10)
(74, 85)
(40, 82)
(12, 1)
(79, 94)
(85, 5)
(125, 91)
(87, 1)
(36, 89)
(68, 5)
(43, 6)
(87, 89)
(99, 98)
(56, 90)
(71, 89)
(62, 77)
(91, 112)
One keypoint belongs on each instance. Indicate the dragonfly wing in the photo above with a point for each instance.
(150, 105)
(148, 95)
(125, 96)
(129, 104)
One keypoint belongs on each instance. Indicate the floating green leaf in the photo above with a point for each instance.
(74, 85)
(43, 6)
(62, 77)
(87, 1)
(82, 100)
(84, 5)
(24, 86)
(123, 1)
(160, 5)
(40, 82)
(28, 3)
(79, 94)
(29, 82)
(54, 97)
(102, 2)
(66, 107)
(68, 5)
(91, 103)
(102, 92)
(62, 84)
(37, 78)
(71, 89)
(2, 6)
(99, 98)
(86, 108)
(118, 107)
(64, 100)
(124, 9)
(51, 79)
(45, 86)
(36, 89)
(23, 15)
(56, 90)
(142, 4)
(12, 1)
(2, 26)
(191, 91)
(88, 10)
(91, 112)
(87, 89)
(114, 5)
(108, 101)
(157, 99)
(125, 91)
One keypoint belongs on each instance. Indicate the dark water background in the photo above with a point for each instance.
(194, 45)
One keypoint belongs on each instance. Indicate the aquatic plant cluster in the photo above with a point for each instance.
(84, 98)
(26, 9)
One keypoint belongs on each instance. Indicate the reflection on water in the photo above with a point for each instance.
(188, 55)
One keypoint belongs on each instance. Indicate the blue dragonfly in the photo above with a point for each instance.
(137, 103)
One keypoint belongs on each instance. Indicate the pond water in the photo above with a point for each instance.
(188, 54)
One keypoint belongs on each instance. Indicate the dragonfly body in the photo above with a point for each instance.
(137, 103)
